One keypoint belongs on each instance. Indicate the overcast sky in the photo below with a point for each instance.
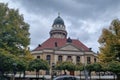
(84, 19)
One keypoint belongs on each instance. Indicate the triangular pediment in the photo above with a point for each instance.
(69, 47)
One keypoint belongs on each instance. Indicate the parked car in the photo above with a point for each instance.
(66, 77)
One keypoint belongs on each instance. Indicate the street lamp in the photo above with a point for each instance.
(52, 70)
(1, 73)
(14, 70)
(85, 71)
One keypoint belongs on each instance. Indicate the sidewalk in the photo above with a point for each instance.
(82, 77)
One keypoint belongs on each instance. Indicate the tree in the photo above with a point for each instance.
(38, 64)
(80, 67)
(104, 67)
(66, 66)
(114, 66)
(89, 68)
(108, 41)
(110, 47)
(7, 62)
(97, 68)
(14, 40)
(14, 34)
(21, 65)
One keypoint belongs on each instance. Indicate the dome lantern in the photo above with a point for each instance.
(58, 28)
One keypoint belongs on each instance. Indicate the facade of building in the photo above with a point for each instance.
(59, 48)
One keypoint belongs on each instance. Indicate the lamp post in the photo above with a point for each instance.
(14, 70)
(85, 71)
(0, 69)
(52, 70)
(1, 73)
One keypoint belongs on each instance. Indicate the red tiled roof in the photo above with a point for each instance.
(50, 44)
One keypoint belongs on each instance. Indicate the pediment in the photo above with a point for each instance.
(69, 47)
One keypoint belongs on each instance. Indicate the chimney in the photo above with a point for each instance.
(56, 44)
(90, 49)
(39, 45)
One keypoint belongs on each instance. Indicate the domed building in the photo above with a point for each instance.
(59, 48)
(58, 29)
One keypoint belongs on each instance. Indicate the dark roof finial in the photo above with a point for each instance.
(59, 14)
(39, 45)
(69, 40)
(56, 44)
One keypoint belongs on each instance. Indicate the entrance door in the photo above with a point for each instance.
(72, 73)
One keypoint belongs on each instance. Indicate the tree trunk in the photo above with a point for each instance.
(114, 76)
(65, 72)
(1, 75)
(90, 75)
(38, 74)
(118, 76)
(104, 73)
(24, 74)
(99, 75)
(80, 75)
(20, 75)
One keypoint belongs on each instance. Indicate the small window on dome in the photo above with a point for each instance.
(61, 26)
(57, 26)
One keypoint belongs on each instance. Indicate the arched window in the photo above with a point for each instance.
(48, 58)
(60, 58)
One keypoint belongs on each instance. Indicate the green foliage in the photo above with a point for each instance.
(97, 67)
(14, 39)
(6, 61)
(89, 67)
(108, 41)
(21, 65)
(114, 67)
(65, 66)
(14, 35)
(110, 48)
(104, 67)
(80, 67)
(94, 67)
(38, 64)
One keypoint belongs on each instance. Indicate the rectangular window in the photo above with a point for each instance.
(88, 60)
(47, 72)
(38, 57)
(48, 58)
(77, 59)
(69, 58)
(60, 58)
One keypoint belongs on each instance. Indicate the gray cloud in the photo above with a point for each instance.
(75, 8)
(84, 19)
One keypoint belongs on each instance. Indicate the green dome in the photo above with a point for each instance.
(58, 20)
